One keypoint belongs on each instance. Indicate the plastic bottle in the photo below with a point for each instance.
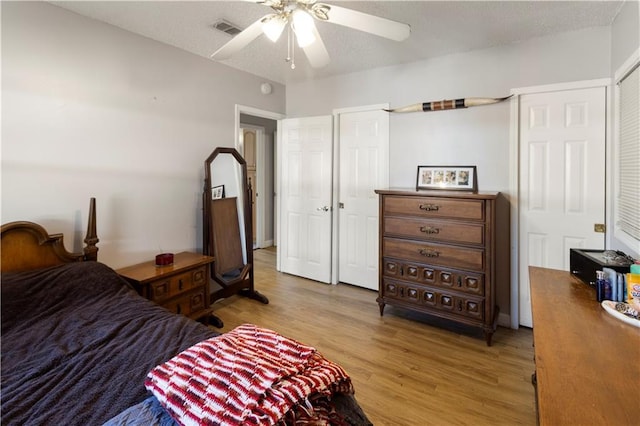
(599, 286)
(607, 289)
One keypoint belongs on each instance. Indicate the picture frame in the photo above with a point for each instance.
(217, 192)
(448, 178)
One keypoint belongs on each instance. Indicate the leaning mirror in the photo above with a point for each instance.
(227, 225)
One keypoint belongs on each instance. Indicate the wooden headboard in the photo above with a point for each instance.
(27, 245)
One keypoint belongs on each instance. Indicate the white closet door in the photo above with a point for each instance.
(304, 245)
(364, 167)
(562, 180)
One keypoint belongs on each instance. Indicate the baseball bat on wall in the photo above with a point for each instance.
(448, 104)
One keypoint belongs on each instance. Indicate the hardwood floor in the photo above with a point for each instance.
(405, 371)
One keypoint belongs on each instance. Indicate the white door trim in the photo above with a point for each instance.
(336, 179)
(514, 171)
(586, 84)
(242, 109)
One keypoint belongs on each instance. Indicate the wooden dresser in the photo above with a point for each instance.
(182, 288)
(587, 362)
(437, 255)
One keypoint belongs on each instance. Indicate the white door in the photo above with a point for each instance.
(304, 245)
(562, 180)
(364, 167)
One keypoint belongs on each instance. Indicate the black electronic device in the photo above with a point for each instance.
(584, 263)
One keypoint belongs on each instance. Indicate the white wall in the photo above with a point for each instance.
(90, 110)
(478, 135)
(625, 33)
(475, 136)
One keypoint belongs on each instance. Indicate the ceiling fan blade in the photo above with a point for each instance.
(237, 43)
(316, 52)
(368, 23)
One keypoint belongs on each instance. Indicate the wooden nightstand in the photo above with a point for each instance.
(182, 288)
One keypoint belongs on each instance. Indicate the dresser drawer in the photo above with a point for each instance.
(468, 282)
(434, 207)
(425, 298)
(463, 306)
(174, 285)
(435, 230)
(187, 304)
(435, 254)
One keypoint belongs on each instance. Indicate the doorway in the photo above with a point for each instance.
(264, 124)
(254, 142)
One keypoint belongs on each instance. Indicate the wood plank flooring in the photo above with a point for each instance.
(405, 370)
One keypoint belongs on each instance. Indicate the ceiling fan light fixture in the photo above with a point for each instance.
(298, 17)
(273, 26)
(303, 26)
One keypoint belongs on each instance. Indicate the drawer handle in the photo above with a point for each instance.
(178, 309)
(429, 230)
(429, 253)
(429, 207)
(180, 285)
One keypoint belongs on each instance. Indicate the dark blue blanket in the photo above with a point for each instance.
(77, 343)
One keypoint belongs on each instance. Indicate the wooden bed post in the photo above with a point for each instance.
(91, 239)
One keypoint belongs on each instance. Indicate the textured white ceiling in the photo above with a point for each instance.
(437, 28)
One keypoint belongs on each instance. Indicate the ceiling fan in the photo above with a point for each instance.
(297, 16)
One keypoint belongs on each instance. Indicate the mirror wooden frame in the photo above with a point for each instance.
(214, 226)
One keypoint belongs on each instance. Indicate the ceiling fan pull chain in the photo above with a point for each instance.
(288, 44)
(291, 52)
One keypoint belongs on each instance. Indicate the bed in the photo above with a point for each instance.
(78, 343)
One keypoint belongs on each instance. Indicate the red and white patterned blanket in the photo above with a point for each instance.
(249, 376)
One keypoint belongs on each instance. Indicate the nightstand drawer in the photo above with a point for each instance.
(187, 304)
(172, 286)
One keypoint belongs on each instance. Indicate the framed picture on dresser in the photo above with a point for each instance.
(449, 178)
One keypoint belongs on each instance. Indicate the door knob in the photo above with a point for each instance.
(323, 209)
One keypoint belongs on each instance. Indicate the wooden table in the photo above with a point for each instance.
(587, 362)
